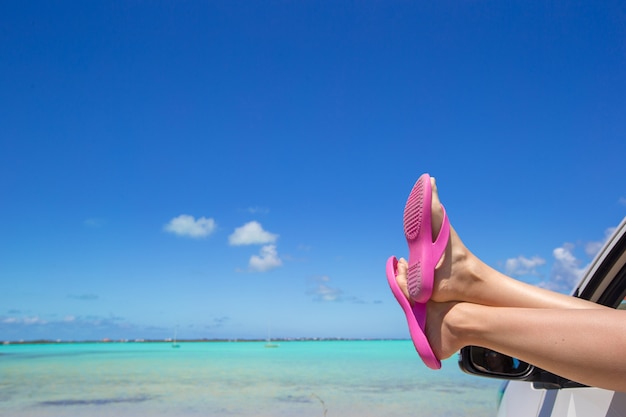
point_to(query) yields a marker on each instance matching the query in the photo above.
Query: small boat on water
(269, 344)
(268, 341)
(174, 344)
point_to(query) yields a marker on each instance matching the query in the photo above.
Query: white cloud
(566, 270)
(325, 293)
(251, 233)
(266, 260)
(592, 248)
(622, 201)
(322, 291)
(24, 320)
(186, 225)
(523, 266)
(257, 210)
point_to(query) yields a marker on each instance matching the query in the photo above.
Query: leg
(583, 345)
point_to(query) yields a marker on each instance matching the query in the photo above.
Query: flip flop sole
(415, 317)
(418, 233)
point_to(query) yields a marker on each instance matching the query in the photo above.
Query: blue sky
(226, 168)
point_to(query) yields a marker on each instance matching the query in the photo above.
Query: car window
(605, 282)
(615, 293)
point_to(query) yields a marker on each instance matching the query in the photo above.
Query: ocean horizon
(226, 378)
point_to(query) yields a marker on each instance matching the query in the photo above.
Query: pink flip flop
(424, 254)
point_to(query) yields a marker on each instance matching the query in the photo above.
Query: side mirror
(487, 362)
(481, 361)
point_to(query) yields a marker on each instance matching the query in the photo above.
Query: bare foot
(454, 279)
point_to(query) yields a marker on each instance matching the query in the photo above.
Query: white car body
(520, 399)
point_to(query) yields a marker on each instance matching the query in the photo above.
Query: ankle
(476, 272)
(461, 325)
(459, 276)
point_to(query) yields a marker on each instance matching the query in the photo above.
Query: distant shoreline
(278, 340)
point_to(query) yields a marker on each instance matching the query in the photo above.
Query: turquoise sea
(299, 378)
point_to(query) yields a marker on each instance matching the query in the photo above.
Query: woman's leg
(586, 346)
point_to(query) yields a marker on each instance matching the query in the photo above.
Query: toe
(401, 277)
